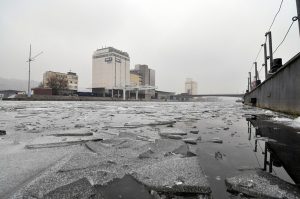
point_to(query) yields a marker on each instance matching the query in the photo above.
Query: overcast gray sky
(212, 41)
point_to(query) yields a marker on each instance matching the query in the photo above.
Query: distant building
(147, 74)
(11, 93)
(191, 87)
(110, 70)
(70, 77)
(72, 81)
(48, 74)
(151, 77)
(135, 79)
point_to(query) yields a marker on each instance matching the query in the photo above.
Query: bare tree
(41, 85)
(57, 82)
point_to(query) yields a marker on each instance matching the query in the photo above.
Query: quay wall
(281, 91)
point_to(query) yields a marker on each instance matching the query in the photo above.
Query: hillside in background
(16, 84)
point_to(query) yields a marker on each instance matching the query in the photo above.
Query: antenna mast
(30, 59)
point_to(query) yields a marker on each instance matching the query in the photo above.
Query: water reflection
(279, 146)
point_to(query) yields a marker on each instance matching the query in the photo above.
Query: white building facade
(191, 87)
(110, 70)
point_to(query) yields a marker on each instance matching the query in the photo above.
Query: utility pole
(298, 13)
(256, 73)
(248, 85)
(124, 94)
(250, 81)
(30, 59)
(266, 60)
(115, 71)
(269, 34)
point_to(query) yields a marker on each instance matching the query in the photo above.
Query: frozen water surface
(227, 139)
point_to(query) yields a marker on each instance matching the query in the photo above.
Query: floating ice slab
(176, 175)
(261, 184)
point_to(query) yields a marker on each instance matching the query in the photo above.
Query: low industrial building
(11, 93)
(163, 95)
(42, 91)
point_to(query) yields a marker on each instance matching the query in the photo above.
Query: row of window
(111, 54)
